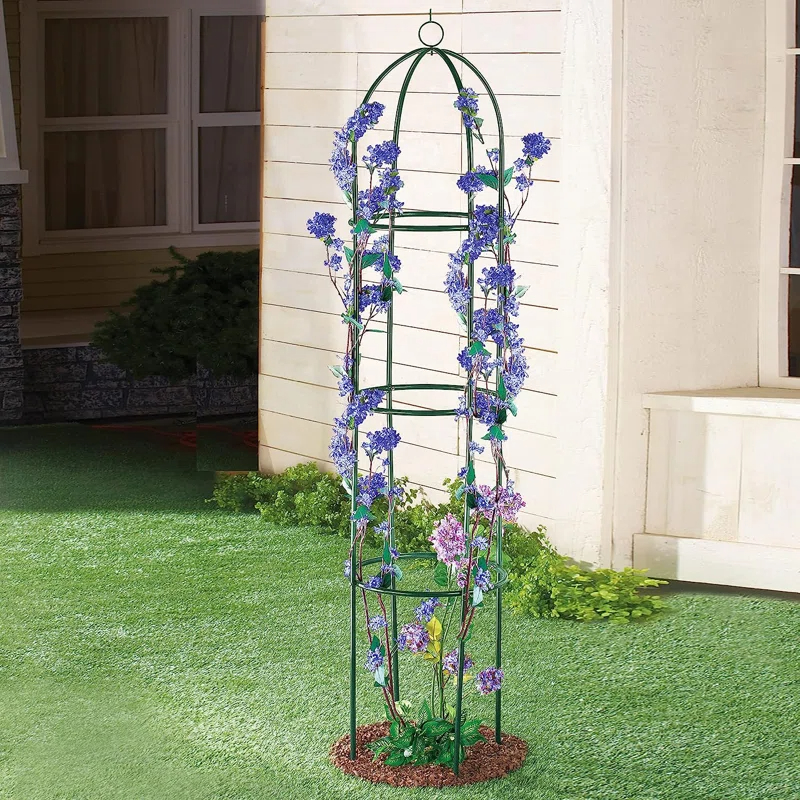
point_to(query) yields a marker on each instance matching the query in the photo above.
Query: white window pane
(105, 67)
(230, 59)
(229, 174)
(105, 179)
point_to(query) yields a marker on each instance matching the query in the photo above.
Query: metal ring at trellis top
(469, 553)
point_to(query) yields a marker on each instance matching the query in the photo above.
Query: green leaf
(495, 434)
(437, 727)
(479, 121)
(481, 562)
(336, 370)
(363, 227)
(394, 728)
(349, 253)
(512, 407)
(425, 713)
(502, 392)
(387, 556)
(440, 574)
(470, 473)
(388, 712)
(368, 259)
(398, 287)
(507, 176)
(352, 321)
(521, 291)
(478, 349)
(502, 416)
(362, 512)
(396, 759)
(375, 643)
(487, 180)
(386, 294)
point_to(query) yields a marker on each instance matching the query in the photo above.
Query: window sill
(9, 177)
(143, 241)
(752, 401)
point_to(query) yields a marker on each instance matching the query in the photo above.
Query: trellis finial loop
(431, 21)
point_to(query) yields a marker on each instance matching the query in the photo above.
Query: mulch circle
(485, 761)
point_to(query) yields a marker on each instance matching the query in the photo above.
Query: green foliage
(542, 582)
(428, 740)
(201, 310)
(301, 495)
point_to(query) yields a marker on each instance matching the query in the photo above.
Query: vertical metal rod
(355, 274)
(459, 697)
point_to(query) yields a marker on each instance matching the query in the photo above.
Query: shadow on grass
(74, 467)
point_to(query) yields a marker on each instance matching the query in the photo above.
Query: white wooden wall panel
(321, 57)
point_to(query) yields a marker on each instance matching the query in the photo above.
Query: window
(141, 122)
(9, 160)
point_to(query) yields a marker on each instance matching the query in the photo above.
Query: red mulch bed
(485, 761)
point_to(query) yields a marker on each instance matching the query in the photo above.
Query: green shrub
(542, 582)
(201, 310)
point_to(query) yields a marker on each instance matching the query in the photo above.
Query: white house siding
(321, 57)
(692, 151)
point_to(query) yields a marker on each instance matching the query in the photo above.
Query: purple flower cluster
(371, 487)
(347, 568)
(480, 543)
(377, 623)
(450, 662)
(380, 155)
(496, 276)
(374, 660)
(470, 183)
(342, 166)
(535, 146)
(504, 499)
(413, 637)
(356, 411)
(448, 540)
(467, 104)
(322, 226)
(489, 680)
(424, 611)
(381, 441)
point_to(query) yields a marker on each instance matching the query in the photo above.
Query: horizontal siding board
(351, 7)
(427, 190)
(311, 71)
(530, 32)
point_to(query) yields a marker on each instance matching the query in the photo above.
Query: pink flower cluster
(413, 637)
(508, 502)
(448, 540)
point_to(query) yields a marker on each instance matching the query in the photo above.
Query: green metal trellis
(416, 221)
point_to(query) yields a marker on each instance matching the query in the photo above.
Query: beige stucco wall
(692, 129)
(321, 57)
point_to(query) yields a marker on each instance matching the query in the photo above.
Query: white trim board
(752, 566)
(755, 401)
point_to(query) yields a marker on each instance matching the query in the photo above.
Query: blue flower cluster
(380, 155)
(424, 611)
(381, 441)
(344, 170)
(356, 411)
(535, 146)
(467, 104)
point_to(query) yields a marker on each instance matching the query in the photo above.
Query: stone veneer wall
(73, 383)
(11, 371)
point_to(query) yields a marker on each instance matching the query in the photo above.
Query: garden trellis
(466, 564)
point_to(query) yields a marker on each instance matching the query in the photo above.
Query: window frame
(182, 228)
(10, 172)
(782, 57)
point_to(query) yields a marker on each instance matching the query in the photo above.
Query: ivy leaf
(495, 434)
(368, 259)
(440, 574)
(507, 176)
(362, 226)
(478, 349)
(487, 180)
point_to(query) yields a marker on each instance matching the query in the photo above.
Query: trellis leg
(459, 697)
(352, 668)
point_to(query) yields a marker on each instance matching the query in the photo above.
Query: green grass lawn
(152, 647)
